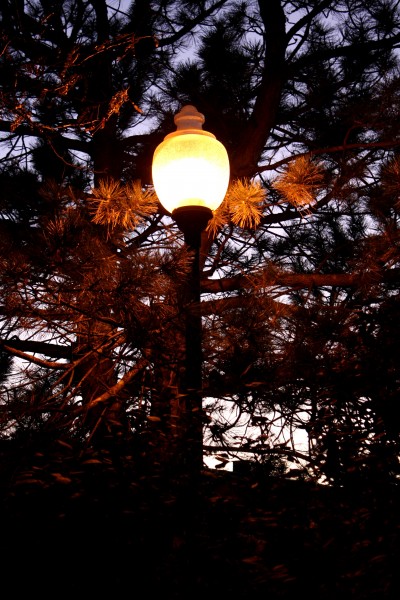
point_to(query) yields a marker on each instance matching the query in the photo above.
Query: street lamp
(190, 172)
(190, 176)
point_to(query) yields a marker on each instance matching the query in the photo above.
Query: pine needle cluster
(242, 206)
(121, 206)
(300, 182)
(391, 177)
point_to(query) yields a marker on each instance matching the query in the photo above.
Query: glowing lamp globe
(190, 169)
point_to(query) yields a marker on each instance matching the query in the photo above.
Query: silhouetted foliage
(299, 284)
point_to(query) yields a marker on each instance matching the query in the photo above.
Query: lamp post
(190, 176)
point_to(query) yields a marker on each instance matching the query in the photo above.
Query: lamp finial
(189, 118)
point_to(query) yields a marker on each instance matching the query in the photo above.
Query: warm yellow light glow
(190, 167)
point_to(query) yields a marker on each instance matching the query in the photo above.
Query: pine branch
(243, 206)
(118, 206)
(300, 182)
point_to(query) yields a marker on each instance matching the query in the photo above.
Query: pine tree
(299, 264)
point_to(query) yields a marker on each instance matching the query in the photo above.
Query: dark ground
(88, 527)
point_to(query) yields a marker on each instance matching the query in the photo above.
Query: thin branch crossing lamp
(191, 176)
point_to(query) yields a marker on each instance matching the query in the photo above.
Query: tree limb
(297, 280)
(33, 359)
(115, 389)
(15, 345)
(251, 139)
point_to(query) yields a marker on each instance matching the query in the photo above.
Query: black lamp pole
(192, 221)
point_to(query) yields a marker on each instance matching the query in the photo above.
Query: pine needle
(243, 206)
(245, 203)
(144, 200)
(300, 182)
(391, 177)
(219, 219)
(118, 206)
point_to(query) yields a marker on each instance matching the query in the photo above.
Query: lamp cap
(189, 118)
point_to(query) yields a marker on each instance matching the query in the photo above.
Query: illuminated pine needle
(242, 206)
(300, 182)
(118, 206)
(144, 201)
(219, 219)
(245, 203)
